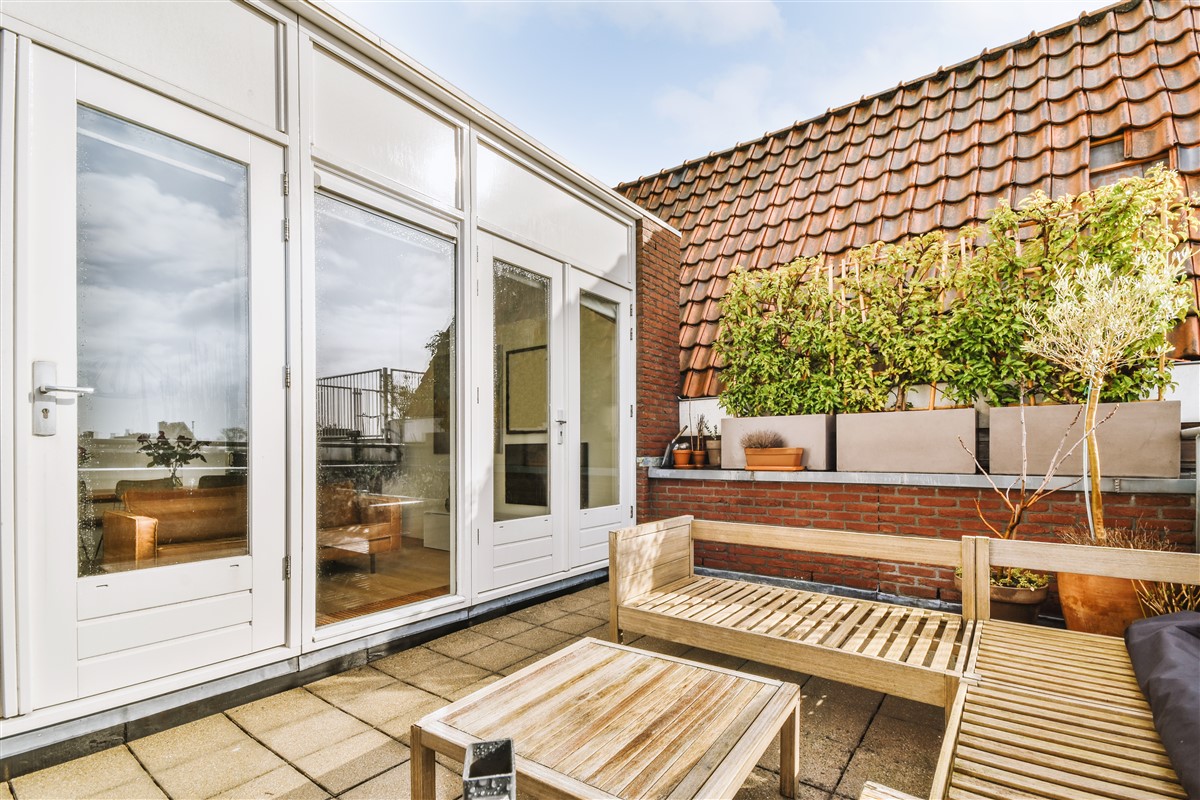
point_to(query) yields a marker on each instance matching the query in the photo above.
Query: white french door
(150, 349)
(600, 409)
(527, 496)
(560, 417)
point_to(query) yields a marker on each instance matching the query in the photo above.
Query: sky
(626, 89)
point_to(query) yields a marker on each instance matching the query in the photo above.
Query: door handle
(561, 419)
(51, 388)
(45, 407)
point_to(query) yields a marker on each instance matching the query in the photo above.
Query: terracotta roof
(937, 152)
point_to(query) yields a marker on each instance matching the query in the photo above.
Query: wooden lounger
(1054, 714)
(909, 652)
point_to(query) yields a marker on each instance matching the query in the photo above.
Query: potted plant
(889, 340)
(1006, 286)
(1101, 320)
(171, 453)
(1017, 594)
(700, 443)
(713, 447)
(765, 451)
(776, 345)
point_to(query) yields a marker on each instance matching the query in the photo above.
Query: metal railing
(359, 406)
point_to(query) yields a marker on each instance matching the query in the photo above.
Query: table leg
(789, 752)
(423, 785)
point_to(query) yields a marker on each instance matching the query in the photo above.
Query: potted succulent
(765, 451)
(1103, 319)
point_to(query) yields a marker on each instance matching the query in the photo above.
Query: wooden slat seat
(1068, 664)
(910, 652)
(1012, 742)
(914, 636)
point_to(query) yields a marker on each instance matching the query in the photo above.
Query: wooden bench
(1049, 713)
(910, 652)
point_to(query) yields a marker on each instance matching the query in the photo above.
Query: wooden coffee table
(599, 719)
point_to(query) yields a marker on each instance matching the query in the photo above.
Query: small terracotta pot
(1097, 603)
(699, 458)
(683, 458)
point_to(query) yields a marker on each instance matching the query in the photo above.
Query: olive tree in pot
(1100, 320)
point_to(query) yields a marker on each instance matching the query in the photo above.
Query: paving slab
(502, 627)
(345, 686)
(215, 771)
(396, 783)
(278, 709)
(284, 783)
(539, 614)
(540, 639)
(312, 733)
(399, 727)
(599, 610)
(498, 655)
(460, 643)
(764, 785)
(388, 702)
(898, 753)
(511, 668)
(175, 746)
(352, 761)
(574, 624)
(448, 678)
(110, 773)
(839, 711)
(409, 662)
(459, 694)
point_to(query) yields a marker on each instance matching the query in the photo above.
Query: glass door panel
(384, 412)
(522, 392)
(599, 395)
(162, 265)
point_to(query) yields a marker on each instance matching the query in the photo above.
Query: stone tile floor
(346, 736)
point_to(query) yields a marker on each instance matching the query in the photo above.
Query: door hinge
(287, 377)
(286, 185)
(287, 568)
(631, 512)
(477, 536)
(287, 229)
(631, 411)
(476, 252)
(631, 334)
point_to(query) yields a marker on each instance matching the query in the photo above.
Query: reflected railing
(365, 405)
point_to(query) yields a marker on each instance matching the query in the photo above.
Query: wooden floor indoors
(347, 588)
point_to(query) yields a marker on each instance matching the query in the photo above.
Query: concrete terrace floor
(346, 735)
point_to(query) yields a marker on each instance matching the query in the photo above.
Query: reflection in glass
(385, 355)
(597, 402)
(522, 399)
(162, 268)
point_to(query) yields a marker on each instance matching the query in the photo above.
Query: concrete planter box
(1141, 440)
(813, 432)
(907, 441)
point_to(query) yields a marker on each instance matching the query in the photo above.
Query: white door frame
(588, 528)
(55, 599)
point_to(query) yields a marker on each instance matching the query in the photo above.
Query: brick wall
(910, 510)
(658, 257)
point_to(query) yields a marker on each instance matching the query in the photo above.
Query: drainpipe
(1194, 433)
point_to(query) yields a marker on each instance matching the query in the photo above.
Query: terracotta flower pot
(699, 458)
(777, 459)
(1097, 603)
(682, 458)
(1014, 604)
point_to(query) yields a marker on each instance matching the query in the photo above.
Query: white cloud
(740, 104)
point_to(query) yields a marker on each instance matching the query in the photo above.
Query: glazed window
(1110, 161)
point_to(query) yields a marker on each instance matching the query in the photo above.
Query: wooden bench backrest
(651, 555)
(647, 556)
(1115, 562)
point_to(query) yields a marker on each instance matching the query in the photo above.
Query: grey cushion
(1165, 652)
